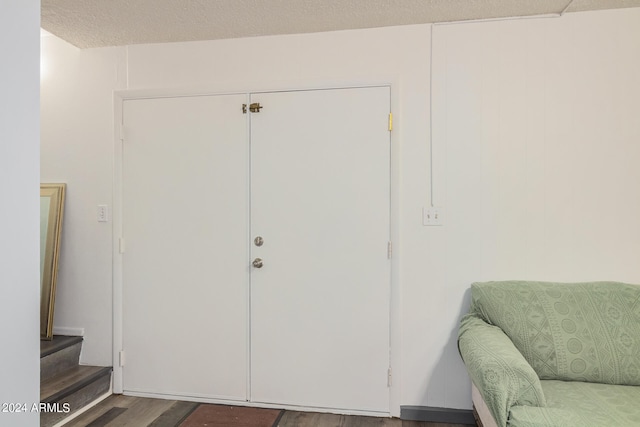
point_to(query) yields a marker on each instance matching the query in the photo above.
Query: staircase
(66, 386)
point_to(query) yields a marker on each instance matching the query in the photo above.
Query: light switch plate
(103, 213)
(432, 216)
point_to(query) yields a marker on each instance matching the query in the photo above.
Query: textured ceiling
(97, 23)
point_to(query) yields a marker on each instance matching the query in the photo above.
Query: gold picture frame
(51, 212)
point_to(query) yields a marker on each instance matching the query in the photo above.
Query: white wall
(533, 172)
(392, 55)
(535, 138)
(77, 148)
(19, 209)
(76, 126)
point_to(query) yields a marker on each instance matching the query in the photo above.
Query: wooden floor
(119, 410)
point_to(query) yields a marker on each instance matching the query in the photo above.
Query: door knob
(257, 263)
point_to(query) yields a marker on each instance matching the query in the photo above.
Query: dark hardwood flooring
(119, 411)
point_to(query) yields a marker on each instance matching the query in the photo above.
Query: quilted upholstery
(498, 369)
(575, 332)
(581, 404)
(555, 354)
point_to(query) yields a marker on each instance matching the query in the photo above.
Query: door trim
(395, 314)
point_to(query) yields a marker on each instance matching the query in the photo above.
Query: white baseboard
(72, 332)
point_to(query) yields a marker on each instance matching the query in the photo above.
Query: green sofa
(553, 354)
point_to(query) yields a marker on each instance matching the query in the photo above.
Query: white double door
(256, 264)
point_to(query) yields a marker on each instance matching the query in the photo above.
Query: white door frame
(395, 318)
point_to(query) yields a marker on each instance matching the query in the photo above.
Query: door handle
(257, 263)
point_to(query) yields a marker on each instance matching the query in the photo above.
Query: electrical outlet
(432, 216)
(103, 213)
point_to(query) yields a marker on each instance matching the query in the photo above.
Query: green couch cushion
(530, 416)
(576, 332)
(581, 404)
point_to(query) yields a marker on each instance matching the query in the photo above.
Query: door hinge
(254, 108)
(389, 249)
(121, 358)
(390, 122)
(121, 245)
(389, 378)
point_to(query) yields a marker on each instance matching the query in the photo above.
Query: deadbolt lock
(258, 241)
(254, 108)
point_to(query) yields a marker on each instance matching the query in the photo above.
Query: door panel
(320, 195)
(185, 219)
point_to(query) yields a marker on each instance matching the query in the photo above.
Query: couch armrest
(499, 371)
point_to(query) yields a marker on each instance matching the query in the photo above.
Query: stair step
(77, 387)
(58, 355)
(58, 342)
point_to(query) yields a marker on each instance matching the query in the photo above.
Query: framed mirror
(51, 211)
